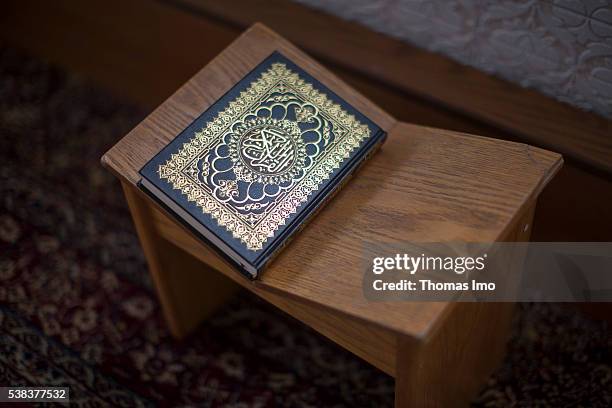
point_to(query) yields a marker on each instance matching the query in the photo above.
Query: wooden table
(425, 185)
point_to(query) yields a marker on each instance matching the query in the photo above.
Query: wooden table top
(424, 185)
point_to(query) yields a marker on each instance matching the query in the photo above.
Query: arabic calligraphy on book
(258, 160)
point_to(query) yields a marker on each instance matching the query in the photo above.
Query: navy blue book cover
(263, 154)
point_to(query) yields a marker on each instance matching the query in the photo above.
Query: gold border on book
(255, 237)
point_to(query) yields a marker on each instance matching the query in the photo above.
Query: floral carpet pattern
(77, 307)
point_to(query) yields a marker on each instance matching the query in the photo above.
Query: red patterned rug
(77, 308)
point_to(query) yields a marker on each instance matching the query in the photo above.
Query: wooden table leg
(189, 290)
(448, 368)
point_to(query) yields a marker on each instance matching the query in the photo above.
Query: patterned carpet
(77, 308)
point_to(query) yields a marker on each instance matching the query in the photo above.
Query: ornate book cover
(253, 167)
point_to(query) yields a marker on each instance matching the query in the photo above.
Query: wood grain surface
(425, 184)
(320, 298)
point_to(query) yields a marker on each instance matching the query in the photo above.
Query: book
(251, 170)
